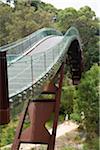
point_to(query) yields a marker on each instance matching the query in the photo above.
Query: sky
(61, 4)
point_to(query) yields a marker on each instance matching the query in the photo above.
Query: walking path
(62, 129)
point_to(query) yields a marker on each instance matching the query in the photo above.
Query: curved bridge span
(35, 65)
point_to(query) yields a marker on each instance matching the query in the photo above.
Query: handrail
(45, 31)
(72, 31)
(19, 47)
(29, 74)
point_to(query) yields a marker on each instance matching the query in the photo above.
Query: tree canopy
(88, 100)
(28, 16)
(21, 21)
(86, 22)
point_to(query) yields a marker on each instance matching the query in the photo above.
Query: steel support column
(4, 100)
(39, 112)
(51, 144)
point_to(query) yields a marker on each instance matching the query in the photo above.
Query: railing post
(45, 62)
(53, 55)
(4, 98)
(32, 69)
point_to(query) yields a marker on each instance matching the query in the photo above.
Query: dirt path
(66, 127)
(62, 129)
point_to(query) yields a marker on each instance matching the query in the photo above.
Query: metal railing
(30, 69)
(28, 75)
(19, 47)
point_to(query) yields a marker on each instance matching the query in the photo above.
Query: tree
(87, 12)
(5, 16)
(86, 22)
(68, 95)
(39, 18)
(66, 18)
(88, 100)
(48, 8)
(34, 3)
(22, 23)
(23, 20)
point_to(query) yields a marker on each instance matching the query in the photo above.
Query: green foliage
(21, 21)
(48, 8)
(35, 4)
(22, 24)
(68, 95)
(88, 27)
(4, 18)
(87, 24)
(87, 12)
(88, 100)
(75, 117)
(7, 133)
(93, 144)
(7, 148)
(68, 148)
(66, 18)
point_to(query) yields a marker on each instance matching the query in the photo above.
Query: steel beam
(4, 99)
(39, 112)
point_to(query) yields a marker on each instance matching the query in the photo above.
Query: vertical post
(56, 111)
(53, 55)
(45, 66)
(4, 100)
(22, 48)
(32, 69)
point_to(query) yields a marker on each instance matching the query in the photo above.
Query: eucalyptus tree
(88, 100)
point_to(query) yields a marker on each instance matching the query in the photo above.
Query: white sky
(61, 4)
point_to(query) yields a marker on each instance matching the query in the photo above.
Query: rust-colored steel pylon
(4, 99)
(39, 112)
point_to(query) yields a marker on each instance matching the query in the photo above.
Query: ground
(62, 139)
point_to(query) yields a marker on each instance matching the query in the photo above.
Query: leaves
(86, 22)
(21, 21)
(67, 100)
(88, 100)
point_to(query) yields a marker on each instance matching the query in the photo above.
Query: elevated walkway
(37, 58)
(32, 58)
(38, 69)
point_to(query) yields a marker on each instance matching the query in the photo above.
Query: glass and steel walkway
(27, 67)
(37, 57)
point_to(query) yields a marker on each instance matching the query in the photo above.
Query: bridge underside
(75, 61)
